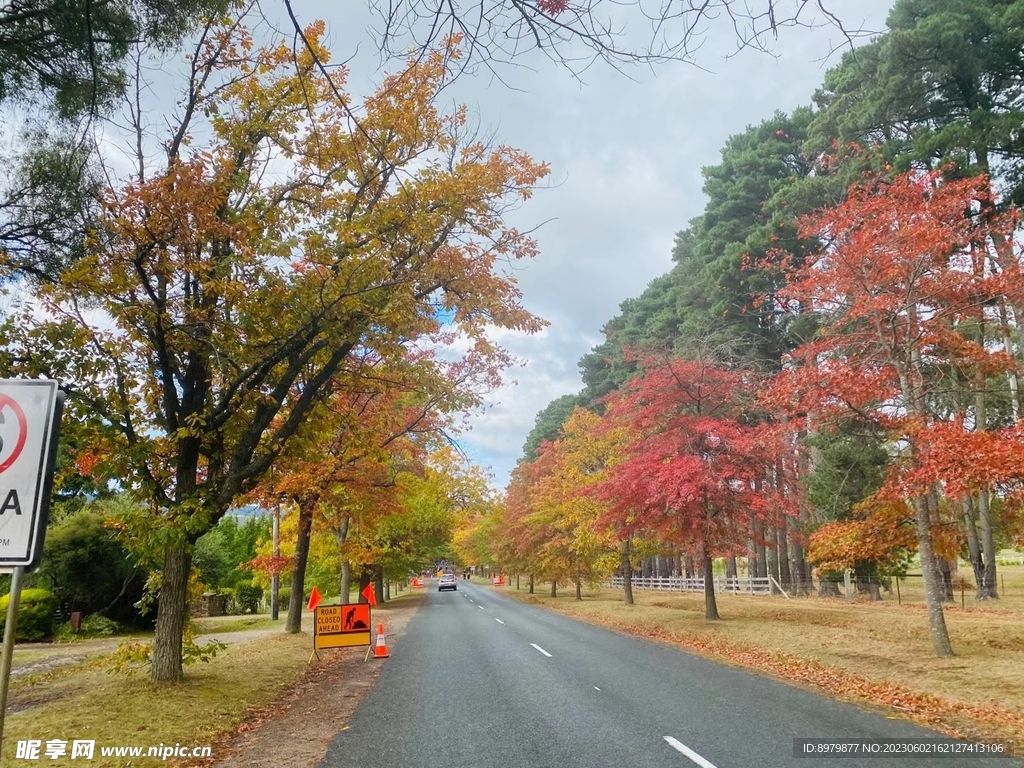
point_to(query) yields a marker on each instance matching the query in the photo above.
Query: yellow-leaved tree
(574, 543)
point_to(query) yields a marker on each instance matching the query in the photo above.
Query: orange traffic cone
(380, 651)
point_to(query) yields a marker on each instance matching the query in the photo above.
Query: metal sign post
(29, 424)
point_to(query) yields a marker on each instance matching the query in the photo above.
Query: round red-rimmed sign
(6, 401)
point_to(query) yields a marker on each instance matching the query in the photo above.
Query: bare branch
(577, 33)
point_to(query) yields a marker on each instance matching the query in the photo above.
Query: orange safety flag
(314, 599)
(370, 595)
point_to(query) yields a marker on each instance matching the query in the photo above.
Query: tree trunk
(340, 535)
(988, 546)
(945, 570)
(987, 539)
(365, 578)
(689, 567)
(172, 612)
(554, 588)
(710, 605)
(973, 546)
(378, 583)
(827, 588)
(1004, 323)
(753, 567)
(785, 575)
(627, 572)
(801, 572)
(932, 585)
(867, 581)
(579, 588)
(945, 579)
(730, 567)
(772, 553)
(346, 582)
(914, 401)
(296, 599)
(805, 462)
(761, 561)
(531, 584)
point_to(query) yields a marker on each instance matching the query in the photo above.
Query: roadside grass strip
(91, 703)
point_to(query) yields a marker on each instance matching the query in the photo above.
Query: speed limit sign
(29, 423)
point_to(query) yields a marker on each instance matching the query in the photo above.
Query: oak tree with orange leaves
(383, 414)
(228, 282)
(896, 286)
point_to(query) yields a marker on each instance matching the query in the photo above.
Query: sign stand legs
(10, 629)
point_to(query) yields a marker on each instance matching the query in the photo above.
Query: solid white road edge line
(549, 656)
(499, 621)
(689, 753)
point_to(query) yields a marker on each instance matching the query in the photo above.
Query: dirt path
(297, 728)
(38, 658)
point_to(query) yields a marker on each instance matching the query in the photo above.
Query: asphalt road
(482, 681)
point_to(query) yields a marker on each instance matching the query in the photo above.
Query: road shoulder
(298, 726)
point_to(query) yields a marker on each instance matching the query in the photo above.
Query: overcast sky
(626, 155)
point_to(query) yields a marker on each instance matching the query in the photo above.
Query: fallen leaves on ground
(949, 716)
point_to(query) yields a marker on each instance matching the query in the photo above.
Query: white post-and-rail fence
(741, 585)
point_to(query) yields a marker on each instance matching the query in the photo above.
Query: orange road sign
(341, 626)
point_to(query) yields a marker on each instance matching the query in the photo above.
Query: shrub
(284, 595)
(63, 634)
(91, 626)
(98, 626)
(36, 615)
(89, 571)
(247, 597)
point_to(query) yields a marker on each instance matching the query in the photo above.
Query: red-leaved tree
(901, 280)
(693, 474)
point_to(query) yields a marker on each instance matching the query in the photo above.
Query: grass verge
(90, 703)
(240, 686)
(871, 654)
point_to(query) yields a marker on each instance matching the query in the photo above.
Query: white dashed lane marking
(689, 753)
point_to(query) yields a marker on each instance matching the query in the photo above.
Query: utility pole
(275, 578)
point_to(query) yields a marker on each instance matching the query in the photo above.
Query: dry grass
(90, 703)
(873, 653)
(86, 701)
